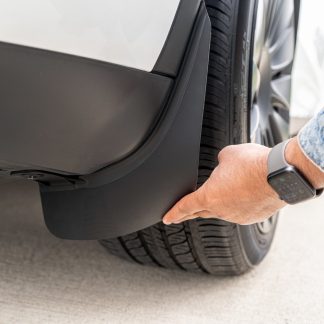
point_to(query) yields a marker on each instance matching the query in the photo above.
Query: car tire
(210, 245)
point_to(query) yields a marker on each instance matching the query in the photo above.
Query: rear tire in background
(247, 99)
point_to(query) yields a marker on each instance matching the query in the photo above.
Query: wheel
(248, 95)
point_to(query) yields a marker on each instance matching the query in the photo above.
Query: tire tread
(203, 245)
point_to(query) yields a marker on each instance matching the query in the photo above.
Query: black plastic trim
(136, 192)
(66, 114)
(174, 48)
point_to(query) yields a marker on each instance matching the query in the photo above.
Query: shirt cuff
(311, 140)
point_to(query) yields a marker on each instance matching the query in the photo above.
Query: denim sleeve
(311, 140)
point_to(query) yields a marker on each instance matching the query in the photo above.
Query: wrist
(262, 170)
(296, 157)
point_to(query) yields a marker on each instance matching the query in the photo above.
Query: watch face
(291, 186)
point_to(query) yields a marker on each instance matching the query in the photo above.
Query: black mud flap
(136, 192)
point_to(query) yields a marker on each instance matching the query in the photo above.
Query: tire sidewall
(254, 244)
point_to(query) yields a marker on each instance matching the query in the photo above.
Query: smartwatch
(286, 180)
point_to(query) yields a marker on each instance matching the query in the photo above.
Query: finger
(187, 206)
(205, 214)
(187, 218)
(201, 214)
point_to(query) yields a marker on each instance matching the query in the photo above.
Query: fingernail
(166, 222)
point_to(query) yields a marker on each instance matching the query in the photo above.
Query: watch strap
(276, 159)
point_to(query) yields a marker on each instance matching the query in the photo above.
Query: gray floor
(47, 280)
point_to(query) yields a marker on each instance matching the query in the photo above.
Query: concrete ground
(47, 280)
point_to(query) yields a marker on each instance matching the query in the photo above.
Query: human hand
(237, 191)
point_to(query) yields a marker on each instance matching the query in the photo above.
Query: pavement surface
(47, 280)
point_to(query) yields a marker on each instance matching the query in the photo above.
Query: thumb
(186, 207)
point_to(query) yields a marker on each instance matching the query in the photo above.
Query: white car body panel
(130, 33)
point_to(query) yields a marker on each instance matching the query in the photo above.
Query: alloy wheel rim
(270, 77)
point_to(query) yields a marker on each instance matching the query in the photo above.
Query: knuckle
(226, 151)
